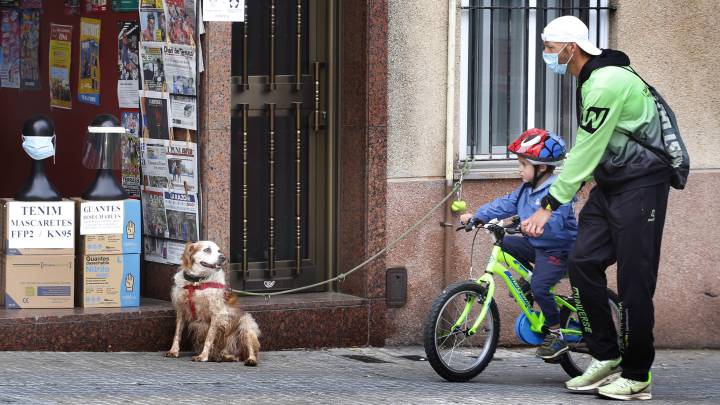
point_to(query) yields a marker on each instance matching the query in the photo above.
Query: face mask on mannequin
(551, 60)
(39, 147)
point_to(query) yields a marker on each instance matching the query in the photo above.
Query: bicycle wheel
(578, 358)
(451, 351)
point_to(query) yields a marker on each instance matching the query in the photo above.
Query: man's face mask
(39, 147)
(551, 60)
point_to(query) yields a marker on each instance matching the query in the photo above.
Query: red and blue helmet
(540, 147)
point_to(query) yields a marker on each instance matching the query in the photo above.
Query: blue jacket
(559, 232)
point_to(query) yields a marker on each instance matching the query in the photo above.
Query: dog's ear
(190, 249)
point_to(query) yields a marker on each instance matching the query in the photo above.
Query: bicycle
(465, 320)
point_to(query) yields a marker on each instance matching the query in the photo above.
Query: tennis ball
(458, 206)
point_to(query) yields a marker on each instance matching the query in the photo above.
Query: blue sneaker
(552, 347)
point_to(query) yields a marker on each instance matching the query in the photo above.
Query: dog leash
(341, 277)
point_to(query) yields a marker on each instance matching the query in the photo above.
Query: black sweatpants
(626, 227)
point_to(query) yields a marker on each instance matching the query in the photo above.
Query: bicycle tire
(566, 361)
(432, 353)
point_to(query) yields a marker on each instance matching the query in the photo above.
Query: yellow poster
(60, 58)
(89, 83)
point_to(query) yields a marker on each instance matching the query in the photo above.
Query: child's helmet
(540, 147)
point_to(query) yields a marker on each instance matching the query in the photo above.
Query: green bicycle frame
(497, 263)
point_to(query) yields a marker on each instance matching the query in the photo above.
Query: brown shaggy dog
(219, 329)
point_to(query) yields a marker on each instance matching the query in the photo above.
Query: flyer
(30, 38)
(125, 5)
(180, 17)
(179, 61)
(10, 65)
(153, 160)
(152, 24)
(89, 83)
(183, 112)
(128, 64)
(131, 153)
(60, 37)
(182, 166)
(154, 107)
(153, 211)
(96, 6)
(153, 67)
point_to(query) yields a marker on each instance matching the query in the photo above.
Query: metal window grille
(506, 87)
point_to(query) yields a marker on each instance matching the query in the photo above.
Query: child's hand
(465, 218)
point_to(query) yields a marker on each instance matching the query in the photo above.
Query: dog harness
(191, 288)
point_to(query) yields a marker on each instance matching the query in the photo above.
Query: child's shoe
(552, 347)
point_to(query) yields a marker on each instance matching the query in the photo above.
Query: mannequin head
(38, 134)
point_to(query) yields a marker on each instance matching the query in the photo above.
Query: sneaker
(552, 347)
(626, 389)
(597, 374)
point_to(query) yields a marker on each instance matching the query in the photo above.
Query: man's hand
(534, 226)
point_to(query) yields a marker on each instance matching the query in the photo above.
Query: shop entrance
(282, 144)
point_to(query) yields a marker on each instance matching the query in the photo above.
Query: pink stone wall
(688, 289)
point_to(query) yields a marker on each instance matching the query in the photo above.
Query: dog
(219, 329)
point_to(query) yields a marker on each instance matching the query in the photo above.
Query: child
(538, 151)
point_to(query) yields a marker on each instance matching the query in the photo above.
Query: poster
(60, 57)
(183, 112)
(154, 107)
(153, 67)
(128, 64)
(96, 6)
(152, 24)
(179, 61)
(89, 83)
(124, 5)
(181, 211)
(153, 211)
(30, 39)
(10, 58)
(223, 10)
(180, 18)
(131, 153)
(181, 166)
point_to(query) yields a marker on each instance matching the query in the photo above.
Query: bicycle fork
(487, 281)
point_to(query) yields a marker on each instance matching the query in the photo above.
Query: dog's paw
(172, 354)
(200, 358)
(251, 362)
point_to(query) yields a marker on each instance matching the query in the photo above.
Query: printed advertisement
(153, 67)
(102, 218)
(44, 225)
(96, 6)
(30, 38)
(180, 69)
(10, 57)
(128, 64)
(154, 107)
(182, 112)
(181, 210)
(154, 163)
(223, 10)
(124, 5)
(181, 165)
(163, 250)
(131, 154)
(153, 210)
(60, 37)
(180, 21)
(89, 83)
(152, 24)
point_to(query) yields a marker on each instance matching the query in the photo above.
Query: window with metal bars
(505, 86)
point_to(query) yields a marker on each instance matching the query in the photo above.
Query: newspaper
(180, 17)
(154, 163)
(182, 216)
(153, 70)
(153, 211)
(163, 250)
(181, 166)
(183, 112)
(156, 120)
(128, 64)
(180, 69)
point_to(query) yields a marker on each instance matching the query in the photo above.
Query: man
(624, 216)
(148, 33)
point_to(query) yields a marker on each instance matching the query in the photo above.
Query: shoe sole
(641, 396)
(591, 388)
(556, 355)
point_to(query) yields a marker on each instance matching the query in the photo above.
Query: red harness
(191, 288)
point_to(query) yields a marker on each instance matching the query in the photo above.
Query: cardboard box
(34, 281)
(109, 227)
(109, 281)
(37, 227)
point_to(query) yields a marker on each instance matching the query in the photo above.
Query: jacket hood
(608, 57)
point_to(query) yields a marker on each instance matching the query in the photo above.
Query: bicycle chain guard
(524, 333)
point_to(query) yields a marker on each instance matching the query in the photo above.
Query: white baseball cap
(569, 28)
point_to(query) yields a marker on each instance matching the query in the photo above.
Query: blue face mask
(551, 60)
(39, 147)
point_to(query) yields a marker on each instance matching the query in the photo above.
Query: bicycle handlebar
(497, 230)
